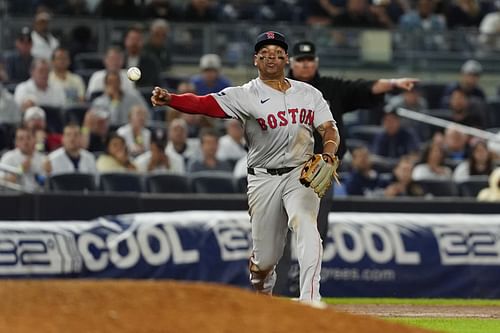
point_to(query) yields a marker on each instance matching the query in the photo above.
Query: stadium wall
(75, 206)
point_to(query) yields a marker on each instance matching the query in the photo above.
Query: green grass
(461, 325)
(448, 325)
(415, 301)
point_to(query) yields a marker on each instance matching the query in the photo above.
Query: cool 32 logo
(468, 245)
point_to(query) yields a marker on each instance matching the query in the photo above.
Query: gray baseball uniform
(279, 132)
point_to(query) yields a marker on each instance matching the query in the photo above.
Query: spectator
(117, 101)
(70, 157)
(95, 130)
(115, 158)
(363, 179)
(480, 162)
(113, 62)
(34, 120)
(426, 24)
(280, 10)
(423, 18)
(156, 160)
(402, 184)
(431, 166)
(395, 141)
(489, 29)
(134, 56)
(73, 84)
(322, 12)
(393, 8)
(232, 145)
(414, 101)
(408, 99)
(469, 83)
(466, 110)
(178, 144)
(18, 62)
(200, 11)
(136, 135)
(208, 161)
(158, 43)
(491, 193)
(465, 13)
(25, 158)
(9, 110)
(359, 14)
(210, 80)
(44, 43)
(38, 90)
(455, 144)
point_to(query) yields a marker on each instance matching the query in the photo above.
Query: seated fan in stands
(70, 158)
(115, 158)
(157, 160)
(479, 163)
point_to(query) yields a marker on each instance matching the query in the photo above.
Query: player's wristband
(394, 83)
(330, 141)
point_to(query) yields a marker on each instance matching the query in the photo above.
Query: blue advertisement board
(366, 255)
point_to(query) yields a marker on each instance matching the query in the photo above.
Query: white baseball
(134, 73)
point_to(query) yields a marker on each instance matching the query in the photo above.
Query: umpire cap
(304, 49)
(271, 38)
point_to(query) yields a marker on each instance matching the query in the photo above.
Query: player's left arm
(331, 139)
(320, 170)
(385, 85)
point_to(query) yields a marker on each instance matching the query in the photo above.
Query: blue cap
(270, 38)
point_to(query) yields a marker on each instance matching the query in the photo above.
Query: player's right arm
(188, 103)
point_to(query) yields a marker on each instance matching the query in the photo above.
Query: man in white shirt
(73, 84)
(38, 90)
(117, 101)
(70, 157)
(232, 145)
(44, 43)
(26, 159)
(156, 160)
(113, 62)
(136, 135)
(178, 144)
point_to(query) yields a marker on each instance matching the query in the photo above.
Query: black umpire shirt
(343, 96)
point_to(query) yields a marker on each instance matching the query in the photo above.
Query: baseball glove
(318, 174)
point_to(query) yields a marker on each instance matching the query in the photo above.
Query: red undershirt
(190, 103)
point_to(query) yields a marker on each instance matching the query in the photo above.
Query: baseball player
(279, 116)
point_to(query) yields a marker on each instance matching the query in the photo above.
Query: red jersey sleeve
(190, 103)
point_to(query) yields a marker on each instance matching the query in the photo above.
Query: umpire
(343, 96)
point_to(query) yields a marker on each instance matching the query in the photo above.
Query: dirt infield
(420, 311)
(150, 306)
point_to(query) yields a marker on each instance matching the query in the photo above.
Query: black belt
(273, 172)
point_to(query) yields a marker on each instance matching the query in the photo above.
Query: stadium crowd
(54, 121)
(425, 14)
